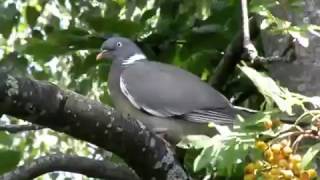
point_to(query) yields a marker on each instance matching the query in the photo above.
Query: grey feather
(206, 116)
(166, 91)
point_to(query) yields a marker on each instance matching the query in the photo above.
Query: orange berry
(249, 169)
(304, 175)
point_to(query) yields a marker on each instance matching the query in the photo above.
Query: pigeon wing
(165, 91)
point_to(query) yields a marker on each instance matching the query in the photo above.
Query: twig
(249, 48)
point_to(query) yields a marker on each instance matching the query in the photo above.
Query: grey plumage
(165, 98)
(166, 91)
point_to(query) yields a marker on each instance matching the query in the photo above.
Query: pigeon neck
(132, 59)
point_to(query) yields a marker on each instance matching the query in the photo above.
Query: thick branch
(12, 128)
(231, 57)
(47, 105)
(75, 164)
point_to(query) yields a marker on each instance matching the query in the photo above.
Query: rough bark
(232, 57)
(11, 128)
(65, 111)
(76, 164)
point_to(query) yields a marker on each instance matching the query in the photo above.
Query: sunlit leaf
(195, 141)
(271, 90)
(208, 155)
(42, 50)
(9, 160)
(32, 15)
(5, 139)
(232, 157)
(310, 155)
(302, 39)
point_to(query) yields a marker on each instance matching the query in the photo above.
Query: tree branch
(249, 49)
(65, 111)
(245, 22)
(12, 128)
(75, 164)
(232, 57)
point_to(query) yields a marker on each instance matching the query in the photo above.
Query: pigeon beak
(101, 55)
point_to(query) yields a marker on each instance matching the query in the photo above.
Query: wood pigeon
(165, 98)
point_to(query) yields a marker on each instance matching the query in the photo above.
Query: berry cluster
(280, 164)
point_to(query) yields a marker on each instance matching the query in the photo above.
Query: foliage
(57, 40)
(9, 157)
(226, 154)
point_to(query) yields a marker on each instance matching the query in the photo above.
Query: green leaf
(208, 155)
(84, 86)
(42, 50)
(232, 157)
(310, 155)
(255, 121)
(195, 141)
(32, 15)
(272, 91)
(9, 160)
(5, 139)
(6, 26)
(9, 17)
(113, 25)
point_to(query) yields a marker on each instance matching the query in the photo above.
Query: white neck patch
(134, 58)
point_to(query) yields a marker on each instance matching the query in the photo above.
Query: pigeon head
(120, 49)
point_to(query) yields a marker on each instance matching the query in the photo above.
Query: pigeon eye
(119, 44)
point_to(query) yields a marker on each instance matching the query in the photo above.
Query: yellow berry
(261, 145)
(268, 124)
(295, 167)
(304, 175)
(283, 163)
(287, 174)
(275, 172)
(287, 150)
(268, 176)
(295, 158)
(276, 122)
(249, 169)
(284, 142)
(258, 164)
(312, 173)
(276, 148)
(269, 155)
(249, 177)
